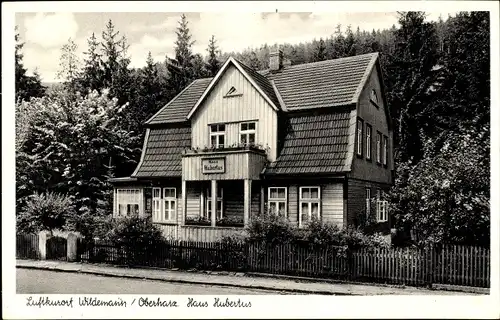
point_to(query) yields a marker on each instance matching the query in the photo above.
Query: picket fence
(448, 264)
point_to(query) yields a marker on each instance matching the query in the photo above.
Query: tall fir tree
(180, 68)
(350, 43)
(69, 65)
(110, 53)
(92, 74)
(411, 74)
(213, 64)
(339, 43)
(320, 51)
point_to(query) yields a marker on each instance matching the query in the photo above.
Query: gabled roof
(177, 109)
(258, 81)
(314, 144)
(329, 83)
(323, 84)
(162, 152)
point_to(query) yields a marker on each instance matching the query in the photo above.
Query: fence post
(42, 243)
(71, 247)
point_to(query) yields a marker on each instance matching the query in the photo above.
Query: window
(385, 153)
(360, 137)
(368, 192)
(217, 135)
(373, 96)
(128, 201)
(276, 201)
(220, 207)
(164, 204)
(157, 212)
(169, 203)
(309, 204)
(379, 137)
(247, 133)
(368, 141)
(382, 208)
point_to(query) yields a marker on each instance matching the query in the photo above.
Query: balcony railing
(234, 147)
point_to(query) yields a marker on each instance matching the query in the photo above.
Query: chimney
(275, 59)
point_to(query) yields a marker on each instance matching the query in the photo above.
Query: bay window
(247, 133)
(276, 200)
(128, 202)
(309, 204)
(217, 135)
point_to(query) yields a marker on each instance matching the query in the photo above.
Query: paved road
(51, 282)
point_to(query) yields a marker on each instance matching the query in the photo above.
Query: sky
(44, 33)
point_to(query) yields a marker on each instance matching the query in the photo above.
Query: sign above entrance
(213, 165)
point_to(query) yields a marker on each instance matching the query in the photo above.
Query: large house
(302, 140)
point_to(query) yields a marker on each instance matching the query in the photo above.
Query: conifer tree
(320, 51)
(92, 73)
(181, 67)
(213, 65)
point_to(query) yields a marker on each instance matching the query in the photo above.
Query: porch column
(214, 202)
(247, 200)
(184, 197)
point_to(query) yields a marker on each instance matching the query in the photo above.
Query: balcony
(240, 162)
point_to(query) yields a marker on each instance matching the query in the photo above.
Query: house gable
(248, 105)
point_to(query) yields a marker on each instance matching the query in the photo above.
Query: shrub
(199, 220)
(230, 221)
(90, 225)
(270, 228)
(319, 233)
(135, 230)
(46, 211)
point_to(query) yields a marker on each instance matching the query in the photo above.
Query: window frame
(309, 201)
(276, 201)
(208, 203)
(359, 138)
(248, 132)
(374, 97)
(368, 196)
(157, 211)
(217, 134)
(168, 218)
(385, 153)
(368, 133)
(382, 208)
(379, 147)
(119, 197)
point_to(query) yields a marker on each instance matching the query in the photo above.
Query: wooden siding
(198, 233)
(233, 198)
(332, 203)
(356, 202)
(363, 168)
(193, 201)
(239, 164)
(247, 107)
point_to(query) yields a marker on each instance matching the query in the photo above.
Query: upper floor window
(385, 153)
(247, 133)
(368, 141)
(128, 201)
(379, 138)
(359, 138)
(309, 204)
(217, 135)
(276, 200)
(373, 96)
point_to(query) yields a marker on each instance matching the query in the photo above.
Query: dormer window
(247, 133)
(217, 135)
(373, 97)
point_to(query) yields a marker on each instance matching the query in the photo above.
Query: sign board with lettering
(213, 165)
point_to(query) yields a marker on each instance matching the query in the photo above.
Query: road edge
(221, 284)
